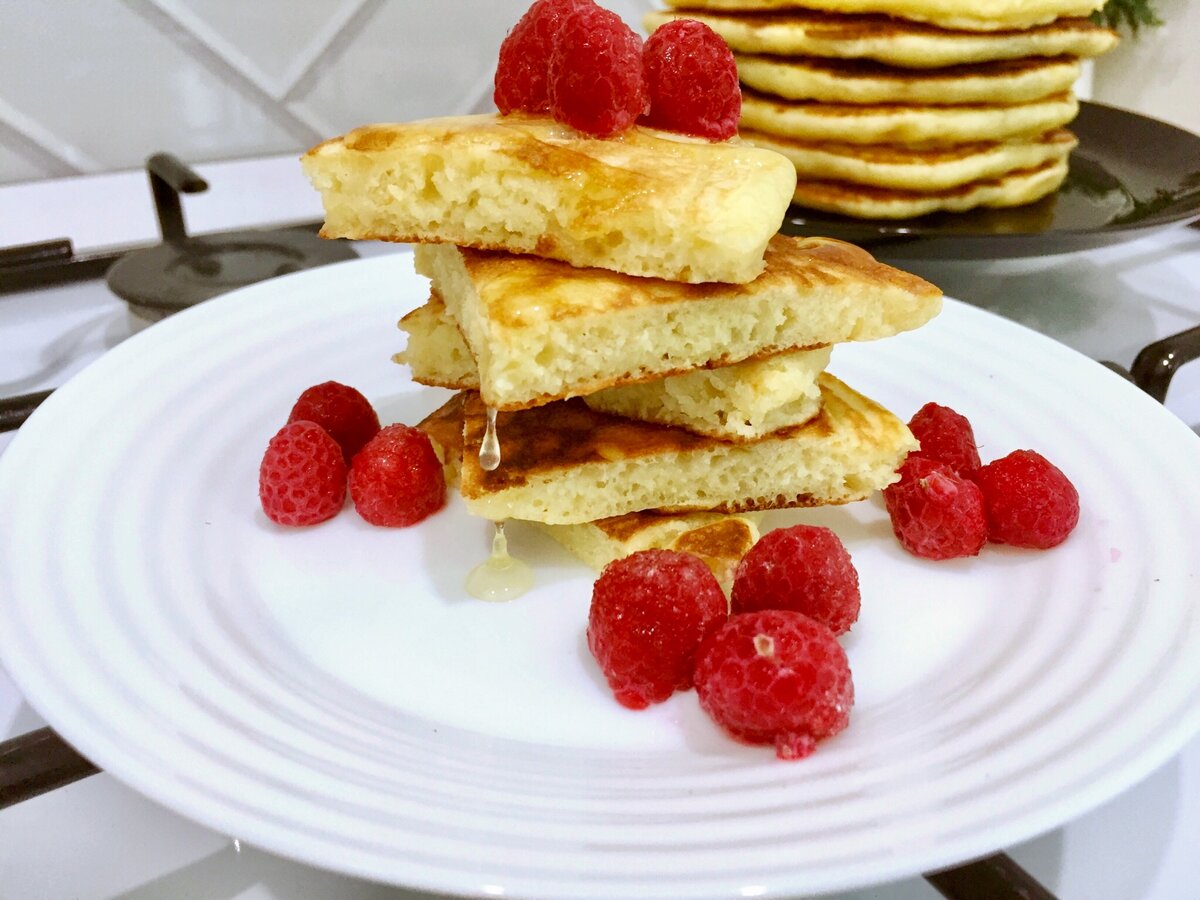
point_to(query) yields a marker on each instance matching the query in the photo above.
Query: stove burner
(184, 270)
(174, 276)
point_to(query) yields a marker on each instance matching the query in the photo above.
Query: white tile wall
(96, 85)
(1157, 74)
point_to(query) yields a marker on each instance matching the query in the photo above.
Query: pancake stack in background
(622, 316)
(891, 109)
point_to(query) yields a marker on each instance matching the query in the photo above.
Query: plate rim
(38, 689)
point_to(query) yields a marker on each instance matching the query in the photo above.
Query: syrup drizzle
(489, 449)
(500, 577)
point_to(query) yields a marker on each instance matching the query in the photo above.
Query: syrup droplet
(489, 449)
(499, 577)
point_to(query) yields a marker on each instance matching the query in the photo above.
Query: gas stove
(1135, 306)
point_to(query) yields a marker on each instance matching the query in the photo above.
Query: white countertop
(98, 839)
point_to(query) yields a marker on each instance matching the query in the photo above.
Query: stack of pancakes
(650, 351)
(896, 108)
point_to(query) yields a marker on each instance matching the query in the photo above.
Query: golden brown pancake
(719, 540)
(541, 330)
(436, 352)
(972, 15)
(744, 401)
(907, 124)
(920, 169)
(739, 402)
(1013, 189)
(869, 82)
(645, 202)
(564, 463)
(893, 41)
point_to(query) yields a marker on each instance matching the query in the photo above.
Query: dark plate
(1129, 175)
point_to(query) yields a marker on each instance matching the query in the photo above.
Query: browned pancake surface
(867, 68)
(518, 290)
(567, 433)
(838, 27)
(895, 153)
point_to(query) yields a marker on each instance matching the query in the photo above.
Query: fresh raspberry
(692, 81)
(302, 478)
(935, 513)
(342, 411)
(804, 568)
(595, 78)
(649, 613)
(775, 677)
(525, 56)
(396, 479)
(1029, 501)
(947, 437)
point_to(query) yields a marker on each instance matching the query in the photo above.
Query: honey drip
(500, 577)
(489, 449)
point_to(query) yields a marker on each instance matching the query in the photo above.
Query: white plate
(332, 695)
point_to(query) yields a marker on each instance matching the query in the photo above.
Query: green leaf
(1131, 14)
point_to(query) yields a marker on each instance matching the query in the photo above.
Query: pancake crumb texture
(739, 402)
(645, 203)
(540, 331)
(565, 463)
(436, 351)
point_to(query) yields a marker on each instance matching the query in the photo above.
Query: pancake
(908, 124)
(866, 81)
(720, 540)
(436, 352)
(565, 464)
(904, 168)
(1013, 189)
(541, 330)
(893, 41)
(981, 15)
(743, 401)
(644, 203)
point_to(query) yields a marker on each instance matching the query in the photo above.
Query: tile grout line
(351, 18)
(347, 33)
(26, 135)
(192, 24)
(156, 14)
(350, 29)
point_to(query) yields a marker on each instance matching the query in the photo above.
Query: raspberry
(692, 81)
(803, 568)
(396, 479)
(525, 56)
(595, 77)
(1029, 501)
(302, 478)
(649, 613)
(775, 677)
(947, 437)
(935, 513)
(342, 411)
